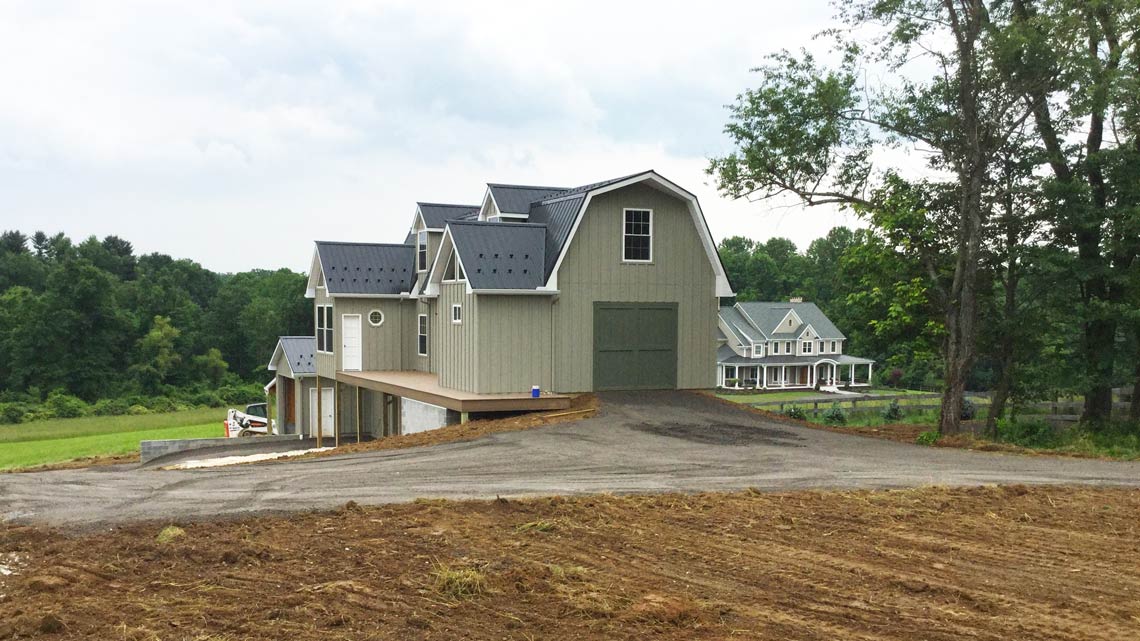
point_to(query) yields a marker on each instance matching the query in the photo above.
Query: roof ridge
(447, 205)
(487, 223)
(350, 242)
(514, 186)
(297, 337)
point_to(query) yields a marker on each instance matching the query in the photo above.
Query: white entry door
(328, 409)
(350, 346)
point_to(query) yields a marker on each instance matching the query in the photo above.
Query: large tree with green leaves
(814, 131)
(1076, 65)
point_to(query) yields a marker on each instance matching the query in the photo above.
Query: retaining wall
(150, 450)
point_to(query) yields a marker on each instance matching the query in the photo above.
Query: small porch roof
(425, 387)
(725, 356)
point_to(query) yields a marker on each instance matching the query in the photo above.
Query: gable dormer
(790, 323)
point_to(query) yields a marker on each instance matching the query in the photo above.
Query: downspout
(552, 348)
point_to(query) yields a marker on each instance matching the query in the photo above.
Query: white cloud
(196, 128)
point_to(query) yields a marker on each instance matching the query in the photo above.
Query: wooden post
(336, 414)
(320, 414)
(359, 412)
(464, 417)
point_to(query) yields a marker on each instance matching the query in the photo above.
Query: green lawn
(776, 397)
(57, 440)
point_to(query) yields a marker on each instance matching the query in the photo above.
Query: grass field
(58, 440)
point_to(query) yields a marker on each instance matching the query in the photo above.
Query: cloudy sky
(234, 133)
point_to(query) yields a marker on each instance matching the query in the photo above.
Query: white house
(790, 345)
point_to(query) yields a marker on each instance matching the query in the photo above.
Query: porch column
(851, 374)
(783, 376)
(869, 367)
(764, 379)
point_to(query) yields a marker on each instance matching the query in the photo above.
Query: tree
(812, 132)
(1076, 64)
(211, 367)
(155, 355)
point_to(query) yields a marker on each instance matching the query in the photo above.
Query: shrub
(13, 412)
(138, 410)
(206, 398)
(894, 377)
(65, 405)
(159, 404)
(929, 437)
(969, 410)
(835, 415)
(796, 412)
(730, 382)
(893, 412)
(241, 394)
(110, 407)
(1028, 433)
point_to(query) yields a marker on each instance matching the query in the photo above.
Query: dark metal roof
(516, 199)
(500, 255)
(558, 216)
(366, 268)
(436, 215)
(592, 186)
(299, 352)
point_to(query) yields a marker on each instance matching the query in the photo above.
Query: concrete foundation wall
(149, 450)
(421, 417)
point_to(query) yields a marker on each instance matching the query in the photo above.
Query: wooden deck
(425, 387)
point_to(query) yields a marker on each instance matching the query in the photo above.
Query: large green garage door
(635, 346)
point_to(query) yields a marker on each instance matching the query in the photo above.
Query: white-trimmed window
(787, 347)
(637, 236)
(821, 346)
(376, 318)
(834, 348)
(422, 251)
(325, 328)
(457, 314)
(422, 337)
(807, 345)
(775, 348)
(730, 374)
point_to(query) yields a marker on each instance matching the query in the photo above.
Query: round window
(376, 318)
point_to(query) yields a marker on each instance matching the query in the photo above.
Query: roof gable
(436, 215)
(365, 269)
(517, 199)
(772, 314)
(297, 352)
(560, 242)
(500, 255)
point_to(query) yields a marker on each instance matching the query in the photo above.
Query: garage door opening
(635, 346)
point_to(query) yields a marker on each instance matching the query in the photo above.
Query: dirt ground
(933, 563)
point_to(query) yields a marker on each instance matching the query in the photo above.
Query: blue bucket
(534, 391)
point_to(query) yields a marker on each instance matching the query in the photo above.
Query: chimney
(796, 299)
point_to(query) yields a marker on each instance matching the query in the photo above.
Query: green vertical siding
(327, 364)
(592, 271)
(514, 343)
(456, 343)
(381, 345)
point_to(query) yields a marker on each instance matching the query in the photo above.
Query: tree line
(1021, 234)
(94, 320)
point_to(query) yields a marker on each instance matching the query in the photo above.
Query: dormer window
(637, 236)
(422, 251)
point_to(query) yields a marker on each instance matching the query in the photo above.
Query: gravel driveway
(639, 442)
